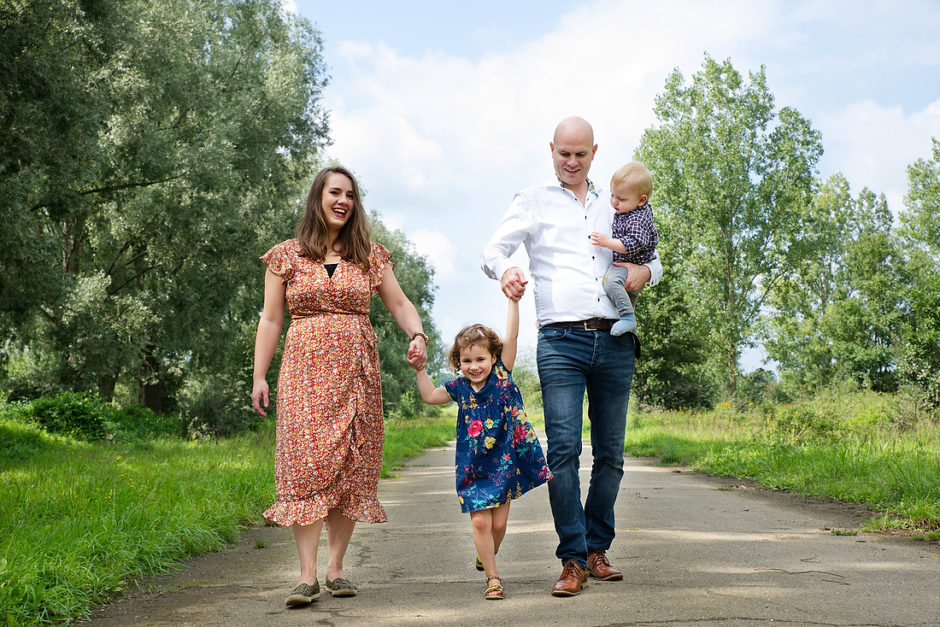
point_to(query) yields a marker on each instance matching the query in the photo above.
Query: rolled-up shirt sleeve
(512, 231)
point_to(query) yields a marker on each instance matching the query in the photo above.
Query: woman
(330, 427)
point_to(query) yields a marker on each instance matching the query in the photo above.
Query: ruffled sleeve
(453, 388)
(502, 373)
(379, 263)
(280, 259)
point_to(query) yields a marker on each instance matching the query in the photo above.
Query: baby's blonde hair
(636, 176)
(475, 334)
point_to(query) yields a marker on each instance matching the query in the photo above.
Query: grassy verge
(80, 520)
(853, 449)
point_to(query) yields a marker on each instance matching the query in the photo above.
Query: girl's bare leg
(500, 520)
(482, 523)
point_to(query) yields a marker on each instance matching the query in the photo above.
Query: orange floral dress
(330, 429)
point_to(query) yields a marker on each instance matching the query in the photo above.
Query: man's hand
(513, 283)
(637, 276)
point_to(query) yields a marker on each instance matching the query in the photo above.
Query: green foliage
(919, 360)
(78, 525)
(152, 150)
(416, 277)
(408, 437)
(215, 405)
(86, 416)
(839, 315)
(78, 415)
(526, 377)
(758, 387)
(732, 175)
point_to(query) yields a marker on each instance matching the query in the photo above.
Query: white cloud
(438, 249)
(872, 145)
(442, 142)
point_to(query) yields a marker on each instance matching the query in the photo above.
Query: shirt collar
(591, 189)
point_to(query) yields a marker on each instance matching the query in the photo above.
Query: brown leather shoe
(573, 579)
(600, 568)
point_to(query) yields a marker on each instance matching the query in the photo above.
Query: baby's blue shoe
(624, 325)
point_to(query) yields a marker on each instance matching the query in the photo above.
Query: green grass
(81, 521)
(407, 437)
(845, 451)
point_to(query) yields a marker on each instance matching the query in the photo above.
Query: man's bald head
(573, 150)
(574, 127)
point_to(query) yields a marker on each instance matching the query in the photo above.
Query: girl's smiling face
(476, 363)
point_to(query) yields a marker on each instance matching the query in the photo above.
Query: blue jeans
(570, 362)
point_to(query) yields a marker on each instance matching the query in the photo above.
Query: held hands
(513, 283)
(417, 355)
(258, 393)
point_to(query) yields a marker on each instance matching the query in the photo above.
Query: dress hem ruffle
(309, 511)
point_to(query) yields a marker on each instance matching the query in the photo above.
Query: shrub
(136, 422)
(76, 414)
(801, 424)
(216, 405)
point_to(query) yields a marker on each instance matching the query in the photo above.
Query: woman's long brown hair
(353, 238)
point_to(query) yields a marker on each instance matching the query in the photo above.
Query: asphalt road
(694, 550)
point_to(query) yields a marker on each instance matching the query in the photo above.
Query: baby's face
(624, 198)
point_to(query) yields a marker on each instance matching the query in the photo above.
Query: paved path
(695, 551)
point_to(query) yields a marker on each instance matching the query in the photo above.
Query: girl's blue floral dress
(498, 454)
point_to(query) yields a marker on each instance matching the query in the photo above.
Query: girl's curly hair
(475, 334)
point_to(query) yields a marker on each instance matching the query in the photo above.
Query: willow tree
(737, 174)
(151, 151)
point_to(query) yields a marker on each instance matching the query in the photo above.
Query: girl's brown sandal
(493, 593)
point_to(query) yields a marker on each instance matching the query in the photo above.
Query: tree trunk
(150, 389)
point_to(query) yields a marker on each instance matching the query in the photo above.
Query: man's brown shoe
(572, 579)
(600, 568)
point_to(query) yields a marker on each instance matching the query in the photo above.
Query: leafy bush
(76, 414)
(801, 424)
(216, 405)
(136, 422)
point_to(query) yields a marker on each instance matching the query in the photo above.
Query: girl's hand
(417, 355)
(258, 393)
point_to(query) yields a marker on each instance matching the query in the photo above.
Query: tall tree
(838, 315)
(156, 147)
(739, 175)
(794, 334)
(920, 232)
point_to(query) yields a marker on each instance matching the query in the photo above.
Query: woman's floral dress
(330, 428)
(498, 454)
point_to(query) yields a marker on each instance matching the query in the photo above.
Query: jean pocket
(553, 333)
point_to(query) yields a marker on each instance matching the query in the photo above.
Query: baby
(633, 240)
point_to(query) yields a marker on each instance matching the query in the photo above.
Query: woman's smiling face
(337, 201)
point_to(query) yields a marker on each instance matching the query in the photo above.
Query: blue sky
(445, 109)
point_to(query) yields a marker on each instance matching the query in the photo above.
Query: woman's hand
(417, 353)
(258, 393)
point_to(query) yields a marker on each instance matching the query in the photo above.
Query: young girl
(498, 454)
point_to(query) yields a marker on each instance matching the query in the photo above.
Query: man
(575, 349)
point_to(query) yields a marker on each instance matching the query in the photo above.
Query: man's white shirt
(566, 269)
